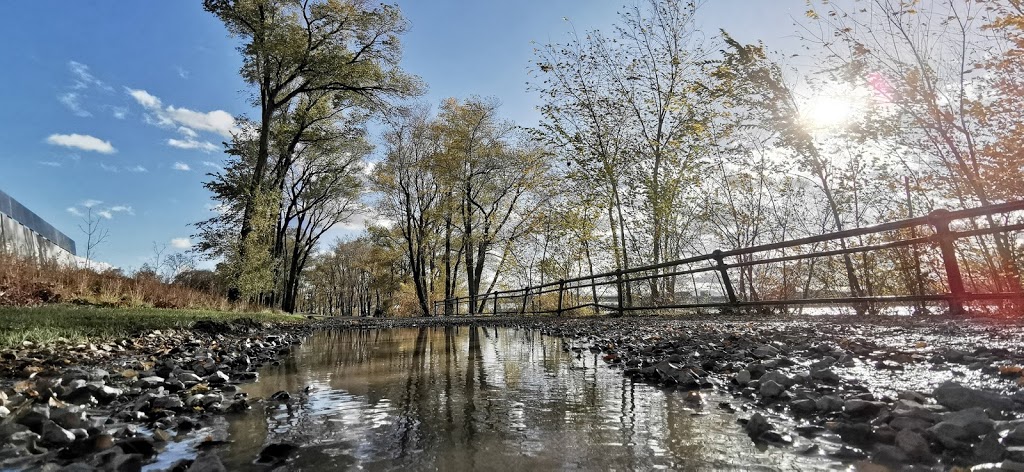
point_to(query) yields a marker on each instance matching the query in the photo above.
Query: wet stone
(55, 435)
(989, 449)
(914, 445)
(957, 397)
(771, 389)
(207, 462)
(829, 403)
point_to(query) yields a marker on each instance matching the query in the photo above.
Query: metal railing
(622, 291)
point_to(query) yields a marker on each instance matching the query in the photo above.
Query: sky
(121, 107)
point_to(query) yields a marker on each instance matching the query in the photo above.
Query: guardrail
(628, 296)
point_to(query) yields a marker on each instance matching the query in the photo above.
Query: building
(25, 234)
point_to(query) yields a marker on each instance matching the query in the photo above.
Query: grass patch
(77, 324)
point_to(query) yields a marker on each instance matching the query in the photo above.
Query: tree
(292, 48)
(95, 234)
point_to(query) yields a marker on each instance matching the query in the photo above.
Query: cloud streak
(81, 141)
(216, 121)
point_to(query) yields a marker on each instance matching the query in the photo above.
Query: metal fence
(32, 221)
(926, 244)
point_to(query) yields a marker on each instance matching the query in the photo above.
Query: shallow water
(466, 398)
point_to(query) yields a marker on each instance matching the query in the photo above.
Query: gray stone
(1015, 453)
(989, 449)
(829, 403)
(1015, 437)
(771, 389)
(857, 407)
(914, 445)
(218, 378)
(779, 378)
(150, 382)
(35, 417)
(70, 417)
(949, 435)
(890, 455)
(765, 351)
(911, 423)
(825, 375)
(855, 433)
(55, 435)
(742, 377)
(1011, 466)
(188, 377)
(974, 421)
(169, 402)
(803, 407)
(207, 462)
(957, 397)
(757, 425)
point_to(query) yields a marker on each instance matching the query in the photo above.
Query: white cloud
(105, 214)
(108, 168)
(182, 72)
(137, 169)
(72, 101)
(204, 146)
(74, 211)
(84, 79)
(123, 209)
(81, 141)
(181, 166)
(212, 165)
(120, 112)
(187, 132)
(90, 203)
(50, 163)
(181, 243)
(217, 121)
(144, 98)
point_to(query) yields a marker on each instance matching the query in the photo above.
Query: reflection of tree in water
(470, 397)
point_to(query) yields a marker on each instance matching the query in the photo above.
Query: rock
(765, 351)
(989, 449)
(803, 407)
(771, 389)
(218, 377)
(1015, 453)
(973, 421)
(150, 382)
(137, 445)
(779, 378)
(756, 425)
(912, 396)
(55, 435)
(742, 377)
(957, 397)
(169, 402)
(907, 422)
(949, 435)
(829, 403)
(858, 434)
(857, 407)
(281, 396)
(70, 417)
(275, 453)
(35, 417)
(914, 445)
(188, 377)
(207, 462)
(160, 435)
(1012, 466)
(1015, 437)
(890, 455)
(4, 412)
(825, 375)
(126, 463)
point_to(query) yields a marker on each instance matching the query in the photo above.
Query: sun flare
(828, 111)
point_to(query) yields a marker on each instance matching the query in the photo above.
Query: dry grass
(23, 282)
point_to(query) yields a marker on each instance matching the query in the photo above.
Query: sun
(828, 111)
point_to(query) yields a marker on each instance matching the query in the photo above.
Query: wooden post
(940, 221)
(724, 273)
(526, 296)
(495, 304)
(561, 294)
(619, 287)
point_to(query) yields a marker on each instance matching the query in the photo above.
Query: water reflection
(469, 398)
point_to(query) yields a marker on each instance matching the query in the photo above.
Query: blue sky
(122, 106)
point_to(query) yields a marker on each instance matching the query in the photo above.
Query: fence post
(495, 303)
(940, 221)
(724, 272)
(561, 293)
(526, 296)
(619, 286)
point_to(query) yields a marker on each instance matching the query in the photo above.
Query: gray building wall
(24, 233)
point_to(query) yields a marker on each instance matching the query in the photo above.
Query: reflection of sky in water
(463, 398)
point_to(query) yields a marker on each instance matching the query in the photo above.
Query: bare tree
(95, 234)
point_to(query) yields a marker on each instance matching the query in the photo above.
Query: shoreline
(834, 381)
